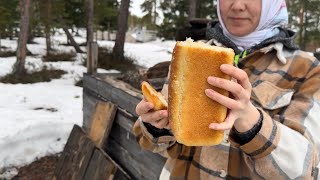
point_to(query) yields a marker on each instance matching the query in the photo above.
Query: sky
(36, 119)
(135, 7)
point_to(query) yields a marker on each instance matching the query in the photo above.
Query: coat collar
(283, 43)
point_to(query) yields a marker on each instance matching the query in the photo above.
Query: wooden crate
(81, 159)
(121, 143)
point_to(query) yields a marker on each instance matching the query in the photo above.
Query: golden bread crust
(190, 110)
(151, 95)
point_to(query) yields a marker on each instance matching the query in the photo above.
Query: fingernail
(211, 79)
(208, 92)
(164, 113)
(212, 126)
(150, 106)
(223, 67)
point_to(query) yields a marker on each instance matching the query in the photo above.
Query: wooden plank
(104, 75)
(125, 100)
(145, 159)
(90, 82)
(75, 157)
(88, 107)
(132, 166)
(105, 90)
(101, 122)
(118, 93)
(125, 119)
(100, 167)
(124, 149)
(120, 173)
(122, 145)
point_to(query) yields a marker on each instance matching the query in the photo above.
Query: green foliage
(150, 19)
(9, 17)
(176, 14)
(75, 13)
(207, 9)
(304, 19)
(105, 14)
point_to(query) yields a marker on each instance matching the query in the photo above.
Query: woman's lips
(238, 20)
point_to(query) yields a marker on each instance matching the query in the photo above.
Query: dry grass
(7, 53)
(45, 75)
(59, 56)
(106, 61)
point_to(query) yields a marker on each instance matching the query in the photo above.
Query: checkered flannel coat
(286, 87)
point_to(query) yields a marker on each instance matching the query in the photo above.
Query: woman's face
(241, 17)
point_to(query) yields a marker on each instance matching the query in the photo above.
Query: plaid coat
(286, 87)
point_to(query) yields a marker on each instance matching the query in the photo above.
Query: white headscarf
(273, 14)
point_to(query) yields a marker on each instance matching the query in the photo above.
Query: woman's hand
(242, 114)
(158, 119)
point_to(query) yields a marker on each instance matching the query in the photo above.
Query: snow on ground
(147, 54)
(36, 119)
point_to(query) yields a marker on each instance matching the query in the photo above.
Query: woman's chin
(239, 32)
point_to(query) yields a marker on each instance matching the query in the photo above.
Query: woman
(272, 125)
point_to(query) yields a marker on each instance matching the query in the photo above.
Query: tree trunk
(109, 29)
(47, 25)
(92, 48)
(192, 9)
(118, 49)
(301, 23)
(11, 33)
(72, 41)
(19, 68)
(90, 21)
(305, 25)
(154, 11)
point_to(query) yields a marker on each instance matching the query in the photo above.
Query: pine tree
(9, 17)
(105, 15)
(175, 16)
(150, 8)
(304, 19)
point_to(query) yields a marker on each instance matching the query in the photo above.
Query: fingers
(143, 107)
(227, 124)
(168, 126)
(223, 100)
(158, 119)
(233, 87)
(238, 74)
(154, 116)
(163, 123)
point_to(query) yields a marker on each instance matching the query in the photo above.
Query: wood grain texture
(101, 122)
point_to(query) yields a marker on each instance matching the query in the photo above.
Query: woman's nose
(238, 5)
